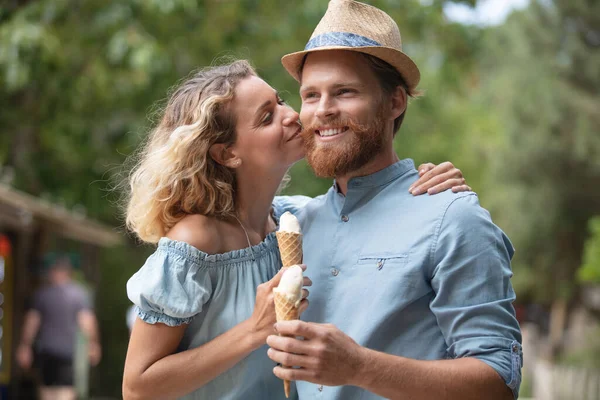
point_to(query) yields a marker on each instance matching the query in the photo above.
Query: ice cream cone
(286, 309)
(290, 247)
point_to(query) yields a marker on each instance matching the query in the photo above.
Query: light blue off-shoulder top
(180, 284)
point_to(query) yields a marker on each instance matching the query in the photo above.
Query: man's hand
(24, 356)
(326, 356)
(94, 353)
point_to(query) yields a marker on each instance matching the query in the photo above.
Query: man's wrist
(362, 378)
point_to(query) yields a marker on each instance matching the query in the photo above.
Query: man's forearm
(396, 377)
(31, 326)
(88, 325)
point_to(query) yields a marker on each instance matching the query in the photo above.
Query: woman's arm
(152, 370)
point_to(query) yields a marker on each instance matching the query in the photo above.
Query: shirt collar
(380, 178)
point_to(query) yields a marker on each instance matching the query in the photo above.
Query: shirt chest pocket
(389, 271)
(380, 261)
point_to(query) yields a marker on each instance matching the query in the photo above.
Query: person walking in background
(50, 326)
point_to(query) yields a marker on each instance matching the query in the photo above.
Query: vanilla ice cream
(289, 223)
(291, 284)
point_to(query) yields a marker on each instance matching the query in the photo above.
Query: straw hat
(350, 25)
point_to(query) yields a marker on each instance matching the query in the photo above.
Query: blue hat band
(344, 39)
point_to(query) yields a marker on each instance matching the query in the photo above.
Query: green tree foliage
(540, 77)
(590, 270)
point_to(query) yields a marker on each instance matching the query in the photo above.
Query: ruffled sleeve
(171, 287)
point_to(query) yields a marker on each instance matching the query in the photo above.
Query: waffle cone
(290, 248)
(285, 310)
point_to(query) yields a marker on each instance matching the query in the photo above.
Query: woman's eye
(267, 119)
(281, 101)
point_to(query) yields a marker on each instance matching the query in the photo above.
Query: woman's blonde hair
(174, 174)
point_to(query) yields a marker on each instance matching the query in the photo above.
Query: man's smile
(327, 132)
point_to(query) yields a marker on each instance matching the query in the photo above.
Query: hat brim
(407, 68)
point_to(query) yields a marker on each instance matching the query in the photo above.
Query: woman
(204, 191)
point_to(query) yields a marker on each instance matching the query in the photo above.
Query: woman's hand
(435, 179)
(263, 317)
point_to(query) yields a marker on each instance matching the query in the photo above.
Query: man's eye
(310, 95)
(344, 91)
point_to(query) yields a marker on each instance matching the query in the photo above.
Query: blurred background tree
(515, 106)
(540, 76)
(590, 270)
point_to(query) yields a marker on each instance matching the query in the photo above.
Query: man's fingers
(296, 328)
(295, 374)
(288, 359)
(288, 344)
(307, 281)
(305, 293)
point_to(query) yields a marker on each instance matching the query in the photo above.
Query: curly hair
(174, 174)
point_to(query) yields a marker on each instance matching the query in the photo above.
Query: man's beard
(329, 160)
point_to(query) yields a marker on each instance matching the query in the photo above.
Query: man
(57, 311)
(415, 291)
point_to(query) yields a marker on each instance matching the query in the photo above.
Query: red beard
(329, 160)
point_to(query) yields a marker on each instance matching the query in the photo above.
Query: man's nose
(326, 108)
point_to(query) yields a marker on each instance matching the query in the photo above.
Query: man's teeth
(331, 132)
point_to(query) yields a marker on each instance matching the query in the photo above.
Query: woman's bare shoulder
(200, 231)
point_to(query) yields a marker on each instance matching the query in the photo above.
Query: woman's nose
(291, 117)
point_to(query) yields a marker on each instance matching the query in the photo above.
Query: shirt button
(345, 218)
(320, 388)
(515, 348)
(334, 271)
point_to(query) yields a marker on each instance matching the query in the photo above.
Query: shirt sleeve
(83, 299)
(36, 301)
(473, 294)
(169, 288)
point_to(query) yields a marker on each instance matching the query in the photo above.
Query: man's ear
(223, 155)
(399, 99)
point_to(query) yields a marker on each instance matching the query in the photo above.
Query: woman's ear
(223, 155)
(399, 99)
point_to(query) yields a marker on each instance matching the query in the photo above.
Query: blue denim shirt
(424, 277)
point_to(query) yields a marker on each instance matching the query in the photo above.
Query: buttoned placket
(343, 229)
(343, 215)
